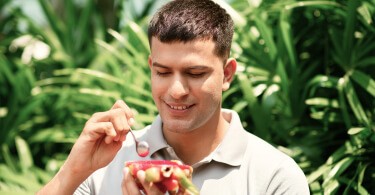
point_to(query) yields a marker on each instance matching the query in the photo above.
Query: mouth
(179, 107)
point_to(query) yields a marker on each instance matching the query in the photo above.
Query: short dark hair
(189, 20)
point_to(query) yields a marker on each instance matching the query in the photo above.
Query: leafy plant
(307, 86)
(305, 83)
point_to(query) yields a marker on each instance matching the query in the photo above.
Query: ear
(229, 71)
(149, 61)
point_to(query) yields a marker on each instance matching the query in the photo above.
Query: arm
(100, 140)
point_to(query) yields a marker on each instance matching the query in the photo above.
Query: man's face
(187, 83)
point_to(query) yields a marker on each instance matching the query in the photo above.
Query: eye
(196, 75)
(162, 73)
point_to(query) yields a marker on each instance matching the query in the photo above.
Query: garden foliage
(305, 82)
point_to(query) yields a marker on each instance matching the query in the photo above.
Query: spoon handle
(131, 131)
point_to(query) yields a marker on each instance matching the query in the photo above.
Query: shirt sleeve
(84, 189)
(288, 179)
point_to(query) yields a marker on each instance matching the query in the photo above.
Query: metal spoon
(142, 147)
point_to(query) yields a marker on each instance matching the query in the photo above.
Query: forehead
(192, 52)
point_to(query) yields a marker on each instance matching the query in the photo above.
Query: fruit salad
(168, 176)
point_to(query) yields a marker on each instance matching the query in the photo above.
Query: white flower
(33, 48)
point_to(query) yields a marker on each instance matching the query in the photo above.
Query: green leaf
(355, 130)
(24, 154)
(342, 102)
(354, 102)
(364, 80)
(337, 170)
(287, 38)
(256, 110)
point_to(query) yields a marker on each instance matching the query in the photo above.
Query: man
(190, 67)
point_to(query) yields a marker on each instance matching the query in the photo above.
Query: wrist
(66, 181)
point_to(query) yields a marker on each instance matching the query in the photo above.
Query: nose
(179, 88)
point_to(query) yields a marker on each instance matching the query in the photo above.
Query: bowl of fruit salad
(170, 176)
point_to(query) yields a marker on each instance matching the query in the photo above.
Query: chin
(177, 127)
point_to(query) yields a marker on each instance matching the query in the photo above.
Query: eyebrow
(196, 67)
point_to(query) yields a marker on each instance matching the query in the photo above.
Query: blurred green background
(306, 82)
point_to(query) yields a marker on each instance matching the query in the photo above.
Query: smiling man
(190, 67)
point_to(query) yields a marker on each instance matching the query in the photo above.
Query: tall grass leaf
(342, 103)
(337, 155)
(229, 92)
(132, 66)
(41, 174)
(27, 183)
(47, 135)
(338, 169)
(364, 80)
(239, 106)
(318, 3)
(368, 61)
(145, 104)
(259, 118)
(53, 21)
(25, 113)
(83, 24)
(267, 34)
(363, 10)
(100, 93)
(120, 38)
(53, 81)
(356, 130)
(236, 16)
(258, 71)
(354, 102)
(317, 174)
(70, 19)
(97, 74)
(322, 102)
(365, 46)
(331, 117)
(139, 90)
(287, 38)
(331, 187)
(284, 80)
(6, 71)
(337, 52)
(8, 157)
(361, 175)
(24, 154)
(141, 35)
(350, 25)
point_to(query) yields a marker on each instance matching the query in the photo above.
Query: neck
(194, 146)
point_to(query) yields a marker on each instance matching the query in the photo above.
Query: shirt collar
(233, 147)
(230, 151)
(155, 136)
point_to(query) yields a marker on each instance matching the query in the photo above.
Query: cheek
(213, 88)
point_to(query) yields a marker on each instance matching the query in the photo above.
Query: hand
(100, 139)
(97, 145)
(129, 186)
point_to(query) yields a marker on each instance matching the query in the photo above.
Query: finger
(128, 111)
(148, 186)
(98, 130)
(128, 184)
(116, 116)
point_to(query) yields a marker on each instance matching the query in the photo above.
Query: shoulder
(274, 171)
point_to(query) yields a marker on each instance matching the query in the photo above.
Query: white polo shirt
(241, 164)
